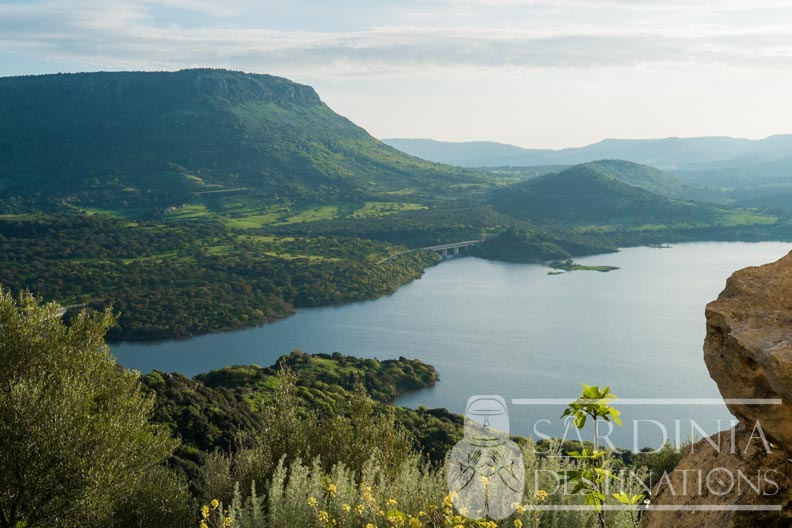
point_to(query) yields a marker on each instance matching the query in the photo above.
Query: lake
(513, 330)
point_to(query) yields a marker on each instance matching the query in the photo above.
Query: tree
(592, 473)
(74, 432)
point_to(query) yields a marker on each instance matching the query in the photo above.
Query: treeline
(180, 279)
(441, 224)
(525, 244)
(224, 410)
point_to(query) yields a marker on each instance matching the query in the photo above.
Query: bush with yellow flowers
(412, 495)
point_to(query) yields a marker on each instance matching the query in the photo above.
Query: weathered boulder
(748, 349)
(741, 472)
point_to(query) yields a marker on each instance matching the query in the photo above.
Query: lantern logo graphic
(486, 470)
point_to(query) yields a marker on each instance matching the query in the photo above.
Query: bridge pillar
(456, 251)
(444, 253)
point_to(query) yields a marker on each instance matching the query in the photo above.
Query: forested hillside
(180, 279)
(205, 200)
(139, 140)
(227, 409)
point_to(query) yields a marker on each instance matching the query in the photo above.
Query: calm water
(513, 330)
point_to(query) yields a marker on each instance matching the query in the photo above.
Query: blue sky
(537, 73)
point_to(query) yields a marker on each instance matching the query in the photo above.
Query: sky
(534, 73)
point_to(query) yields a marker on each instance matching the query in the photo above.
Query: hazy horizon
(533, 73)
(529, 147)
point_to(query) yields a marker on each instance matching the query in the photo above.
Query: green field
(314, 214)
(385, 208)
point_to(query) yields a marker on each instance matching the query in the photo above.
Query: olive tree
(74, 432)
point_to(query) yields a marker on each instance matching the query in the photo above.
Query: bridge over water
(444, 249)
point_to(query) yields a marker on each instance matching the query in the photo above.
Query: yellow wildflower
(312, 502)
(331, 489)
(517, 523)
(541, 495)
(227, 522)
(391, 502)
(205, 512)
(215, 503)
(346, 507)
(359, 509)
(203, 525)
(324, 516)
(368, 496)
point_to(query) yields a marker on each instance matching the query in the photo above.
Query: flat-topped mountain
(158, 137)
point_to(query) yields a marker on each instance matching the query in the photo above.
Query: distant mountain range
(743, 172)
(669, 153)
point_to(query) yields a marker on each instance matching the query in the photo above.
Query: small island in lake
(570, 265)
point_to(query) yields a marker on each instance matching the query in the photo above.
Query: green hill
(156, 139)
(225, 409)
(590, 194)
(652, 180)
(206, 200)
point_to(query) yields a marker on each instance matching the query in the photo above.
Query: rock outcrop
(727, 471)
(748, 351)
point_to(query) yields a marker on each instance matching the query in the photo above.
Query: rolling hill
(139, 139)
(593, 194)
(651, 179)
(206, 200)
(742, 172)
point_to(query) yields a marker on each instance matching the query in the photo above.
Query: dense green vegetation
(585, 195)
(418, 228)
(207, 200)
(653, 180)
(177, 279)
(181, 199)
(136, 139)
(76, 446)
(525, 244)
(226, 411)
(594, 203)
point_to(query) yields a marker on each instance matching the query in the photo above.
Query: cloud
(697, 6)
(124, 35)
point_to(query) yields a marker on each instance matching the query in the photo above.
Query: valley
(250, 197)
(414, 264)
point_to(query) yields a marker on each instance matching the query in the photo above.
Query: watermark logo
(487, 477)
(486, 470)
